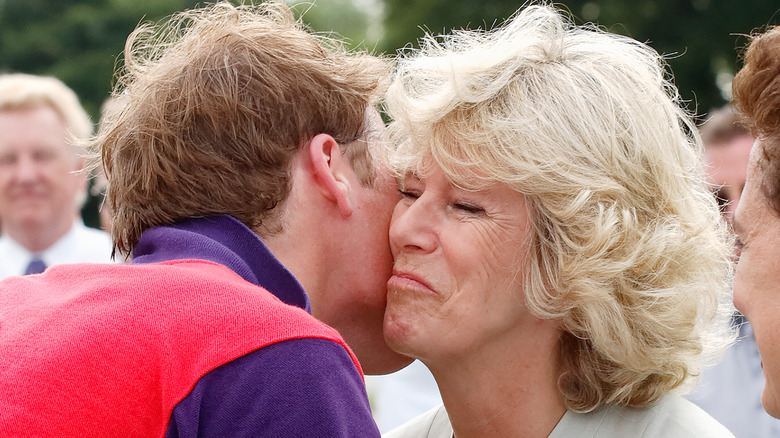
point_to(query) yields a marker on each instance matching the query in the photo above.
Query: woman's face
(457, 280)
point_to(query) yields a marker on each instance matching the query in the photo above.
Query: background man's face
(37, 184)
(727, 171)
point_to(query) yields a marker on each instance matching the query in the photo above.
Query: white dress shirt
(80, 244)
(401, 396)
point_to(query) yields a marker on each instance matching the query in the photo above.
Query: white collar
(16, 257)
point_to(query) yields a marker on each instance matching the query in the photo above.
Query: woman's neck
(503, 390)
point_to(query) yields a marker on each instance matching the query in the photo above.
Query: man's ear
(331, 171)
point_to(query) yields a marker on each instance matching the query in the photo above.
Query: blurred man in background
(731, 391)
(727, 146)
(42, 187)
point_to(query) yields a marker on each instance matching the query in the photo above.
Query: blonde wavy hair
(628, 251)
(213, 105)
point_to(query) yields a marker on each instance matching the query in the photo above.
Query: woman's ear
(331, 172)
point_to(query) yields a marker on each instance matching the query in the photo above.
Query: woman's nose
(413, 226)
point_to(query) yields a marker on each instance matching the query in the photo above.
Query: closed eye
(409, 194)
(7, 159)
(469, 208)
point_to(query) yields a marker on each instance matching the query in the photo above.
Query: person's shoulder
(670, 417)
(432, 424)
(674, 416)
(317, 376)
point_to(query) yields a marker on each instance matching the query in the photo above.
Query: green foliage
(342, 19)
(78, 41)
(700, 38)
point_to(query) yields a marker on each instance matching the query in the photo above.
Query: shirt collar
(58, 253)
(227, 241)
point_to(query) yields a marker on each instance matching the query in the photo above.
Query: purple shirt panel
(227, 241)
(297, 388)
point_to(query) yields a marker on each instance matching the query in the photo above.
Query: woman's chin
(770, 400)
(400, 335)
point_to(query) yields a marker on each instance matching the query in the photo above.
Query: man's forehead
(756, 153)
(34, 113)
(34, 128)
(753, 195)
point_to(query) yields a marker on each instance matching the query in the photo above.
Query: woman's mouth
(408, 280)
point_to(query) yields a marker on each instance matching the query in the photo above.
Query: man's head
(218, 101)
(240, 111)
(41, 191)
(727, 146)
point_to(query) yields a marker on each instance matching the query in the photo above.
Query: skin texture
(757, 281)
(727, 170)
(455, 301)
(335, 242)
(456, 261)
(38, 186)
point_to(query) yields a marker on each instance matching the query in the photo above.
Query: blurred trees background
(77, 41)
(700, 38)
(80, 41)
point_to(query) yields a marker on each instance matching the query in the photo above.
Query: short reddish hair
(215, 103)
(756, 90)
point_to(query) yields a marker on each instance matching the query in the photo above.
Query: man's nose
(26, 169)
